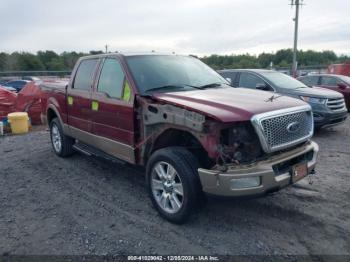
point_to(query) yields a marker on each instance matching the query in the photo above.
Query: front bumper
(273, 173)
(324, 119)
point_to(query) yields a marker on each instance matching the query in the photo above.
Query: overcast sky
(200, 27)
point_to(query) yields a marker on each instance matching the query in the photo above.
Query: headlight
(313, 100)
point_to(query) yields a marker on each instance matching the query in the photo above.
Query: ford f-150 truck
(193, 133)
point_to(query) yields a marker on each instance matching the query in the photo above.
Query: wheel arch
(52, 113)
(172, 137)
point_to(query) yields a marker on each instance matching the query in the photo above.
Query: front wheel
(173, 183)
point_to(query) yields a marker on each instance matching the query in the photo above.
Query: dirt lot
(85, 205)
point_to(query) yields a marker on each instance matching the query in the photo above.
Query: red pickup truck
(181, 120)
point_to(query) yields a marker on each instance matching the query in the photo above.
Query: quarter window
(85, 75)
(111, 79)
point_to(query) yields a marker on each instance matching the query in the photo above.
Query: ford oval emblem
(293, 127)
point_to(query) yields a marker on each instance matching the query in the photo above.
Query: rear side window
(249, 80)
(85, 74)
(328, 81)
(309, 80)
(111, 79)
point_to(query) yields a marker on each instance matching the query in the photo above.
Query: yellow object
(18, 122)
(126, 92)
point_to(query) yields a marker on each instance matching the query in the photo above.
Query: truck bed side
(54, 99)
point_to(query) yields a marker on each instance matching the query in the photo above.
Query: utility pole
(297, 3)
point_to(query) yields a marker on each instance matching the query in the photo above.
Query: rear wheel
(173, 184)
(61, 144)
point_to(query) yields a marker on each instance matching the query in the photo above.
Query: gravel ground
(83, 205)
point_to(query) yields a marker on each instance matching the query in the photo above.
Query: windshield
(154, 73)
(283, 81)
(346, 79)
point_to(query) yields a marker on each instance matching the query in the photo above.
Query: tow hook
(311, 176)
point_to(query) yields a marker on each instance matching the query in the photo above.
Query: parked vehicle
(340, 69)
(328, 106)
(337, 83)
(179, 118)
(17, 84)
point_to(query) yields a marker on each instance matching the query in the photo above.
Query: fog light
(246, 182)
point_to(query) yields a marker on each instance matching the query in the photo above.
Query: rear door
(79, 98)
(113, 111)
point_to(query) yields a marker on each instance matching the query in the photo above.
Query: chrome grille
(336, 104)
(284, 128)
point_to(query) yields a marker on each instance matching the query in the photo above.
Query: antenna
(297, 4)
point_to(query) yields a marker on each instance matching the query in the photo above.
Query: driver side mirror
(341, 85)
(262, 86)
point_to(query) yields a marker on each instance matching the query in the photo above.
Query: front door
(113, 112)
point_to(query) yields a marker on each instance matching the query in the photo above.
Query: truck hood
(318, 92)
(228, 104)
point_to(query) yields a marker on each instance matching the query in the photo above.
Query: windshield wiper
(164, 87)
(172, 86)
(210, 85)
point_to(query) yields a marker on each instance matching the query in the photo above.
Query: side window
(85, 74)
(249, 80)
(231, 75)
(310, 80)
(111, 79)
(328, 81)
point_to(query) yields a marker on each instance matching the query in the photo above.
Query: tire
(173, 183)
(62, 145)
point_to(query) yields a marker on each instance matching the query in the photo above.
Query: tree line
(51, 61)
(41, 61)
(281, 59)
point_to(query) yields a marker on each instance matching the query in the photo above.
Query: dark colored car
(178, 118)
(17, 84)
(337, 83)
(328, 106)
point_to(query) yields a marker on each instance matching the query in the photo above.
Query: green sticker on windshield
(94, 105)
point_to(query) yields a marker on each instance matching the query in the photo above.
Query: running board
(92, 151)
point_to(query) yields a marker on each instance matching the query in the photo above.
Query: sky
(199, 27)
